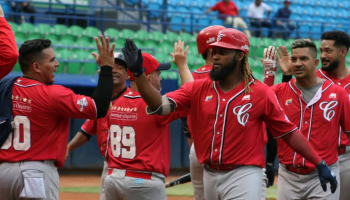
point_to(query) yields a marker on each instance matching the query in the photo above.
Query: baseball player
(318, 107)
(41, 114)
(334, 47)
(100, 126)
(139, 145)
(232, 153)
(8, 47)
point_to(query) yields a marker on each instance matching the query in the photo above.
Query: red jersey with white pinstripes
(228, 127)
(319, 120)
(202, 72)
(345, 83)
(41, 121)
(138, 141)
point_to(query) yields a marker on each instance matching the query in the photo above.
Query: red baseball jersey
(226, 8)
(100, 128)
(8, 48)
(138, 141)
(41, 121)
(202, 72)
(228, 127)
(319, 120)
(345, 83)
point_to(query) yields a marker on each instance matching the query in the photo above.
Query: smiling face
(304, 62)
(225, 62)
(155, 79)
(46, 66)
(119, 73)
(330, 55)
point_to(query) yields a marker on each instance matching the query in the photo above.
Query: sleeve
(8, 48)
(63, 101)
(276, 120)
(344, 117)
(250, 12)
(215, 7)
(182, 98)
(266, 7)
(89, 127)
(234, 6)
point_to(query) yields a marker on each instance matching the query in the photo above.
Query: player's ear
(36, 67)
(149, 77)
(240, 55)
(317, 61)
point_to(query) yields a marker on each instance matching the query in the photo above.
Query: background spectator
(256, 11)
(228, 7)
(282, 20)
(24, 7)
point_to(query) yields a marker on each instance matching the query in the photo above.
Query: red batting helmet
(207, 36)
(230, 38)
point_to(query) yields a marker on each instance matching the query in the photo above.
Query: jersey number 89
(123, 136)
(21, 134)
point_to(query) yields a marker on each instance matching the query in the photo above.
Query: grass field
(179, 190)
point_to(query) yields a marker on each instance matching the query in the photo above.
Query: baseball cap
(119, 56)
(150, 64)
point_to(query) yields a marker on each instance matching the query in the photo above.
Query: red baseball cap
(150, 64)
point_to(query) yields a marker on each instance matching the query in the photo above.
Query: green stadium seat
(14, 27)
(157, 36)
(82, 55)
(20, 37)
(68, 37)
(169, 75)
(90, 68)
(186, 37)
(166, 48)
(112, 33)
(60, 69)
(266, 42)
(259, 52)
(53, 38)
(86, 38)
(43, 29)
(27, 28)
(142, 35)
(83, 43)
(151, 44)
(192, 60)
(172, 37)
(76, 31)
(120, 43)
(280, 41)
(64, 54)
(318, 43)
(162, 57)
(66, 42)
(73, 68)
(254, 42)
(17, 67)
(33, 36)
(92, 32)
(126, 33)
(60, 29)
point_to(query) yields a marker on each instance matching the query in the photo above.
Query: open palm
(284, 60)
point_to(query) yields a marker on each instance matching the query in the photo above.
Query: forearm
(185, 74)
(149, 94)
(299, 143)
(103, 92)
(269, 80)
(78, 140)
(271, 148)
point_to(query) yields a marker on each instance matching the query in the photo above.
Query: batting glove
(269, 61)
(270, 173)
(133, 58)
(326, 175)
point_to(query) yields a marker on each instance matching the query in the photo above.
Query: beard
(224, 71)
(333, 65)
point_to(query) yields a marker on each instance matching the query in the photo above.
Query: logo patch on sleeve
(82, 103)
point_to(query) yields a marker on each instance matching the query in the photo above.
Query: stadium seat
(52, 38)
(186, 37)
(139, 43)
(171, 36)
(17, 67)
(60, 29)
(14, 27)
(157, 36)
(92, 32)
(202, 23)
(153, 7)
(163, 57)
(83, 43)
(254, 42)
(76, 31)
(217, 21)
(73, 68)
(66, 42)
(189, 24)
(60, 68)
(20, 37)
(112, 33)
(142, 35)
(176, 23)
(126, 33)
(43, 29)
(167, 47)
(27, 28)
(151, 44)
(33, 36)
(90, 68)
(64, 54)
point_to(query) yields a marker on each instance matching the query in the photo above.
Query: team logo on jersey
(208, 98)
(210, 40)
(241, 112)
(328, 113)
(220, 36)
(82, 103)
(288, 101)
(333, 96)
(246, 97)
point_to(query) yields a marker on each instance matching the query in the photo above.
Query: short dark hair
(205, 54)
(30, 52)
(341, 39)
(305, 43)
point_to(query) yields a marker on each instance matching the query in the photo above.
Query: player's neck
(230, 82)
(117, 89)
(34, 77)
(209, 61)
(133, 86)
(308, 82)
(340, 72)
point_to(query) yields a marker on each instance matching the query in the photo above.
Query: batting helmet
(230, 38)
(207, 36)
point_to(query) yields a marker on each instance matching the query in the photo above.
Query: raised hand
(180, 55)
(284, 60)
(105, 56)
(269, 61)
(133, 58)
